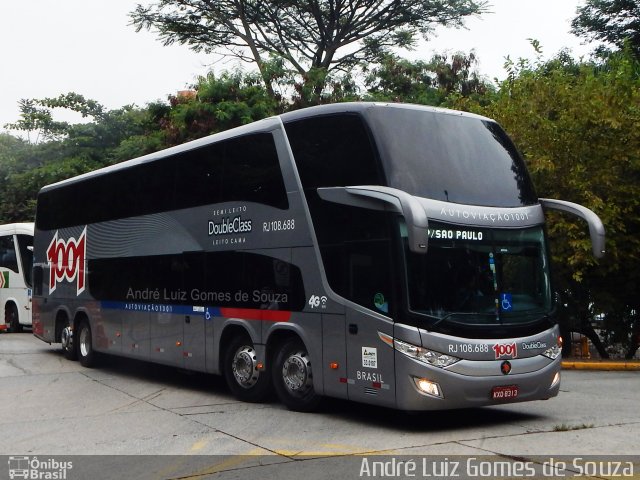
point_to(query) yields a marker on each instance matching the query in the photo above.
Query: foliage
(616, 22)
(399, 80)
(439, 81)
(314, 39)
(10, 147)
(215, 104)
(37, 120)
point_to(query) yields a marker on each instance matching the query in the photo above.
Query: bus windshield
(25, 245)
(451, 158)
(480, 276)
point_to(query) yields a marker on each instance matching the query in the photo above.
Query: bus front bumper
(474, 383)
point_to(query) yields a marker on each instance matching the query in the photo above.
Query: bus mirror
(375, 197)
(596, 228)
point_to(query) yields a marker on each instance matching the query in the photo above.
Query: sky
(51, 47)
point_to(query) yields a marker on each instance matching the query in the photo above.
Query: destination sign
(456, 234)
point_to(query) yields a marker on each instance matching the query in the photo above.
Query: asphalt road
(182, 425)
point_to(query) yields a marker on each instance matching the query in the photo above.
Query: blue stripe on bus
(207, 312)
(160, 308)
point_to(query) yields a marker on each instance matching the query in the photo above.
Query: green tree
(616, 22)
(37, 121)
(400, 80)
(437, 82)
(215, 104)
(10, 148)
(314, 38)
(578, 125)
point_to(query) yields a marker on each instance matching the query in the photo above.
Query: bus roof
(25, 228)
(361, 107)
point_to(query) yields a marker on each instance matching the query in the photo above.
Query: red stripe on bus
(255, 314)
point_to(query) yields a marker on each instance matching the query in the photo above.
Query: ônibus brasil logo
(67, 258)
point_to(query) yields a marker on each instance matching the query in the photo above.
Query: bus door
(370, 362)
(178, 336)
(166, 333)
(194, 345)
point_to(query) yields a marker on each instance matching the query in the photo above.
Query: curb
(620, 365)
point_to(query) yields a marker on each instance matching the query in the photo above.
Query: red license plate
(508, 392)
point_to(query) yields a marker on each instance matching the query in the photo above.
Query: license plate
(508, 392)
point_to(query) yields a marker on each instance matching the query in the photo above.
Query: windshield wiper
(465, 314)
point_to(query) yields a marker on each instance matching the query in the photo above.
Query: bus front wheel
(11, 317)
(245, 377)
(293, 377)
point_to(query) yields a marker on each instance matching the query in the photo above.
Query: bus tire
(11, 317)
(245, 380)
(69, 348)
(86, 355)
(293, 377)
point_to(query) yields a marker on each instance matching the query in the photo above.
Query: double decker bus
(384, 253)
(16, 263)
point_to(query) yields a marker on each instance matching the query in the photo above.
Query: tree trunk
(587, 330)
(635, 341)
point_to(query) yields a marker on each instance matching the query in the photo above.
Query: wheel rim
(245, 367)
(85, 342)
(296, 373)
(66, 338)
(11, 318)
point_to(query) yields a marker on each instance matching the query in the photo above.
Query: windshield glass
(25, 244)
(480, 276)
(451, 157)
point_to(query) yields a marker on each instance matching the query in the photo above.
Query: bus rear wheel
(11, 317)
(246, 380)
(86, 355)
(293, 377)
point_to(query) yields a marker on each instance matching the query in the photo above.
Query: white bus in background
(16, 262)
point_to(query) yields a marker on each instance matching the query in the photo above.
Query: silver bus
(384, 253)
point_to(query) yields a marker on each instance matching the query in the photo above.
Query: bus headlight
(553, 352)
(424, 355)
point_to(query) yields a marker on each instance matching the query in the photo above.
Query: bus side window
(356, 253)
(8, 258)
(355, 243)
